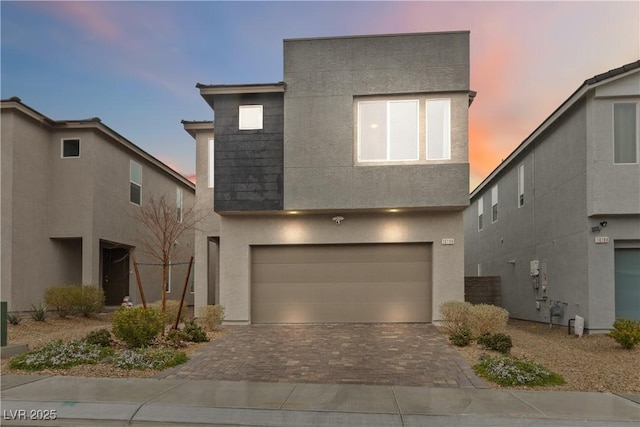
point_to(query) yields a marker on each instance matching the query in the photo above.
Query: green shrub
(137, 326)
(498, 342)
(626, 332)
(101, 337)
(195, 333)
(171, 310)
(487, 319)
(63, 299)
(13, 318)
(149, 358)
(39, 312)
(461, 338)
(91, 300)
(212, 316)
(511, 371)
(455, 316)
(177, 338)
(56, 354)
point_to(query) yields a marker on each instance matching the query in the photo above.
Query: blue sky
(135, 64)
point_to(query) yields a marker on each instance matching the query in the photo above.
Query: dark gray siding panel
(248, 163)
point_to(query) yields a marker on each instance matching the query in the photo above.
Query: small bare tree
(164, 224)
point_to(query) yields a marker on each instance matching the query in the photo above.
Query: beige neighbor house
(69, 190)
(559, 219)
(338, 194)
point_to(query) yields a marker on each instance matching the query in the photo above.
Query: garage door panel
(341, 283)
(342, 272)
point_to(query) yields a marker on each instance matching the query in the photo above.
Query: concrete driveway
(374, 354)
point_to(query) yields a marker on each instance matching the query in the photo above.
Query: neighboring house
(559, 219)
(338, 193)
(69, 192)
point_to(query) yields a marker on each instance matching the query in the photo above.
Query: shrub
(63, 299)
(150, 358)
(171, 310)
(511, 371)
(137, 326)
(101, 337)
(39, 312)
(195, 333)
(498, 342)
(56, 354)
(177, 338)
(455, 316)
(626, 332)
(212, 316)
(488, 319)
(13, 318)
(91, 300)
(462, 338)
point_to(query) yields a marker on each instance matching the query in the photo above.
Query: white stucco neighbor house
(337, 194)
(559, 219)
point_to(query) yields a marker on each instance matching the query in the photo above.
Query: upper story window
(480, 213)
(521, 185)
(438, 129)
(210, 158)
(494, 203)
(388, 130)
(250, 117)
(625, 133)
(179, 204)
(135, 183)
(70, 148)
(403, 130)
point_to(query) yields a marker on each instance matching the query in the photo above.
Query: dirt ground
(591, 363)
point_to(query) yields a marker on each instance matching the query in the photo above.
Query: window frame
(134, 183)
(494, 204)
(179, 204)
(62, 143)
(480, 213)
(637, 132)
(210, 164)
(520, 185)
(447, 133)
(243, 125)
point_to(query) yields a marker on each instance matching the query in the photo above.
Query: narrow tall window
(210, 168)
(625, 133)
(167, 288)
(388, 130)
(494, 203)
(521, 185)
(480, 212)
(438, 129)
(179, 204)
(70, 148)
(135, 183)
(250, 117)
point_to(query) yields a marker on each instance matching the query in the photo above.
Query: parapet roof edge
(358, 36)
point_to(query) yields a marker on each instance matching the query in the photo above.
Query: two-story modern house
(70, 190)
(339, 192)
(559, 219)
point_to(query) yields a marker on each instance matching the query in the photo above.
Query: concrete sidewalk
(154, 402)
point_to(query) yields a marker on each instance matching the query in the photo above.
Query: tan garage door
(341, 283)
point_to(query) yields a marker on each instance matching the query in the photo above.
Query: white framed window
(210, 157)
(179, 204)
(388, 130)
(167, 288)
(70, 148)
(480, 213)
(135, 183)
(625, 133)
(494, 203)
(521, 185)
(438, 129)
(250, 117)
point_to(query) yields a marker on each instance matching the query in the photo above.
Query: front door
(115, 275)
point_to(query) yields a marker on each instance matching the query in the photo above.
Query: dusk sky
(135, 64)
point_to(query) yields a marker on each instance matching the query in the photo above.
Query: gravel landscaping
(591, 363)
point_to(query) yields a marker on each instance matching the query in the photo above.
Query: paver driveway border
(401, 354)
